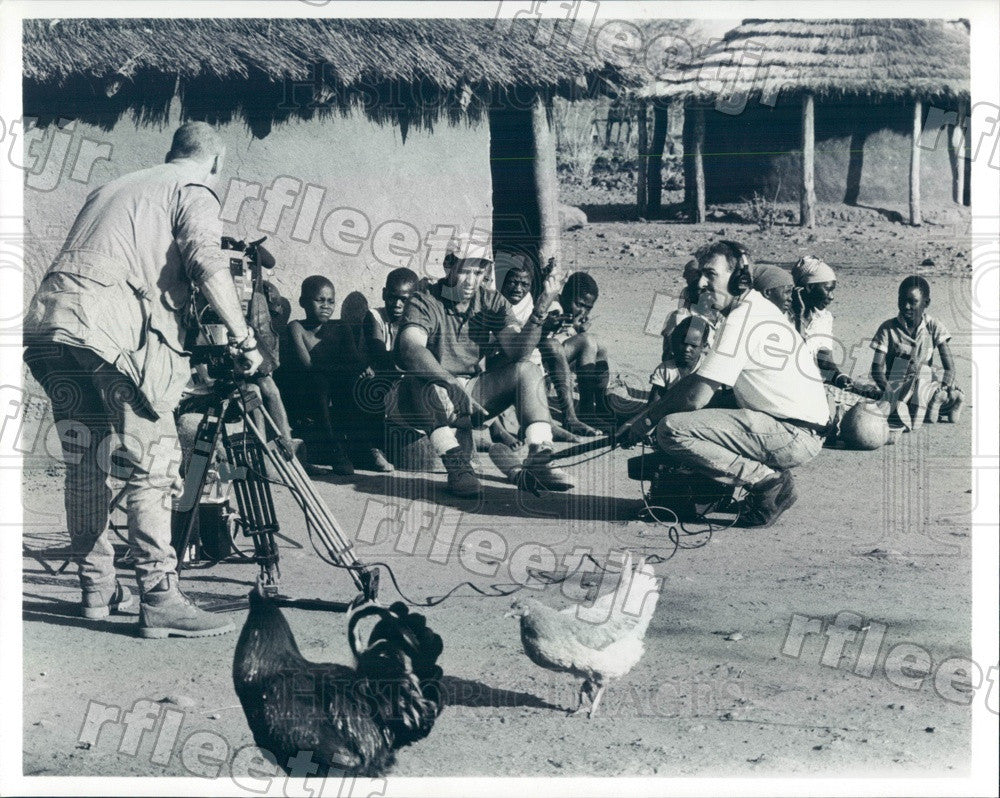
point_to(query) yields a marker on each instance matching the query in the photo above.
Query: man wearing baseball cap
(446, 330)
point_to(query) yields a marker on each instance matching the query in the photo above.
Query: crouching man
(782, 414)
(446, 330)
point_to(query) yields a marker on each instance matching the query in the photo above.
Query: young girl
(682, 353)
(904, 353)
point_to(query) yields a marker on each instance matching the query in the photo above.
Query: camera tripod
(248, 454)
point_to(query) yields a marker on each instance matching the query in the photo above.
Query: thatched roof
(771, 58)
(459, 65)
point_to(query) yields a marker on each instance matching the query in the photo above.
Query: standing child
(318, 370)
(904, 353)
(682, 353)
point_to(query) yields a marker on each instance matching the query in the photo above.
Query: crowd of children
(334, 376)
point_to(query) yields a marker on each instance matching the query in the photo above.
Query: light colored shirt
(816, 328)
(759, 353)
(121, 283)
(668, 372)
(458, 339)
(522, 311)
(906, 352)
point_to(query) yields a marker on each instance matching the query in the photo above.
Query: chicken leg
(596, 699)
(585, 689)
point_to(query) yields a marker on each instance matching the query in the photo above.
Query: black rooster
(351, 720)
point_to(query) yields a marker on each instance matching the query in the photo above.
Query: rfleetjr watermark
(151, 730)
(52, 153)
(863, 646)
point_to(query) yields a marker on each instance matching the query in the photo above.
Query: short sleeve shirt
(905, 352)
(459, 340)
(759, 353)
(668, 372)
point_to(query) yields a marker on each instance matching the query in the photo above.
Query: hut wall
(862, 154)
(435, 179)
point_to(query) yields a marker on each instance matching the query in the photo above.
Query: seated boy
(815, 283)
(319, 367)
(570, 348)
(378, 334)
(904, 353)
(682, 353)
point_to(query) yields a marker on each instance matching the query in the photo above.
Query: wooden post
(807, 191)
(641, 156)
(546, 182)
(915, 219)
(654, 170)
(957, 152)
(687, 145)
(699, 165)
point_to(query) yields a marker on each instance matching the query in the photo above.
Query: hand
(554, 282)
(247, 363)
(632, 431)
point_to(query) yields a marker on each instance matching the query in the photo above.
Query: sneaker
(766, 501)
(166, 611)
(99, 605)
(462, 480)
(538, 467)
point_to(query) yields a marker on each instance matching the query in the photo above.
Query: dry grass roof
(899, 58)
(440, 55)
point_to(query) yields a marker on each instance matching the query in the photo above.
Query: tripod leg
(205, 441)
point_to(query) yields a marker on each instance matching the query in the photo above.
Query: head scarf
(767, 277)
(810, 269)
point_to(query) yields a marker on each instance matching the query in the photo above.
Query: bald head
(196, 141)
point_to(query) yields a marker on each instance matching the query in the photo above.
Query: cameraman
(103, 336)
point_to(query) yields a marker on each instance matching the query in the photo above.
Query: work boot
(546, 475)
(462, 480)
(97, 604)
(767, 500)
(166, 611)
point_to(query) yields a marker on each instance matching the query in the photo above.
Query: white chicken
(597, 643)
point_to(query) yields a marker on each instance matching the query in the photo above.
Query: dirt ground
(884, 534)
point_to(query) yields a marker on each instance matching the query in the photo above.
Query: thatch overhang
(402, 70)
(777, 59)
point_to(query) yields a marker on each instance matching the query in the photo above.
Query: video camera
(208, 338)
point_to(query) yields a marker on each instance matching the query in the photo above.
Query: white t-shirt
(668, 372)
(759, 353)
(522, 312)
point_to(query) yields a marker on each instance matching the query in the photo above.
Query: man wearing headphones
(782, 412)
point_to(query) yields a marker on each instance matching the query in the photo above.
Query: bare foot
(576, 427)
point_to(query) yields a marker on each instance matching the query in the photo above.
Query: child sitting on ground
(682, 353)
(378, 330)
(319, 366)
(904, 353)
(568, 348)
(815, 284)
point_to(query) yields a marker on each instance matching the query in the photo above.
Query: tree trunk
(546, 181)
(687, 160)
(641, 156)
(807, 191)
(699, 165)
(956, 151)
(915, 165)
(654, 172)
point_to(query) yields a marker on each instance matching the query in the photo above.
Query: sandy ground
(883, 534)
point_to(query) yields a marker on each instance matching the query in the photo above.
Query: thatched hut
(827, 110)
(356, 145)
